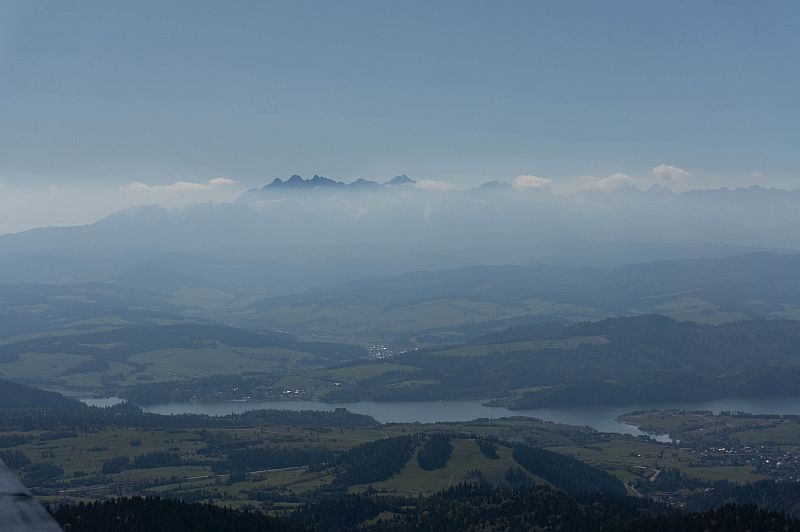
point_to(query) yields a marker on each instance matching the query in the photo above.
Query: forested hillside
(636, 360)
(462, 508)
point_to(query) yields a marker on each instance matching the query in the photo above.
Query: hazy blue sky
(106, 93)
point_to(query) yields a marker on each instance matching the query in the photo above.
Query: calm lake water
(602, 418)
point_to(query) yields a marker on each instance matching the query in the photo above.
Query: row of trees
(435, 452)
(566, 472)
(374, 461)
(476, 507)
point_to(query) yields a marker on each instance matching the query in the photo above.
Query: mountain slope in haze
(771, 278)
(483, 226)
(276, 270)
(430, 303)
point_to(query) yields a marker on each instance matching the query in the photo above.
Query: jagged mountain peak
(399, 180)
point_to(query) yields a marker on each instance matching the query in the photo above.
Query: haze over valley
(316, 266)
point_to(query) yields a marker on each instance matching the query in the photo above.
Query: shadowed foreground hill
(163, 515)
(462, 508)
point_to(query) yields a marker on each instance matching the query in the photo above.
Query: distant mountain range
(296, 183)
(294, 234)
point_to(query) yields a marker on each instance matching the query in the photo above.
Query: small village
(770, 461)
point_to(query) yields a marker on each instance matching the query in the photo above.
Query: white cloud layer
(432, 184)
(24, 205)
(221, 182)
(669, 172)
(177, 186)
(528, 182)
(606, 184)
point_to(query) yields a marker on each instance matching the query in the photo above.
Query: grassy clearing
(619, 456)
(744, 430)
(41, 365)
(203, 297)
(155, 473)
(622, 457)
(692, 309)
(362, 319)
(367, 324)
(190, 363)
(87, 452)
(784, 434)
(534, 345)
(366, 371)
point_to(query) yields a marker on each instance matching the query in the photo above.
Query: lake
(602, 418)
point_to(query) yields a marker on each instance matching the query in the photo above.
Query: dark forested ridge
(461, 508)
(729, 518)
(14, 395)
(766, 494)
(374, 461)
(153, 514)
(435, 452)
(567, 473)
(272, 458)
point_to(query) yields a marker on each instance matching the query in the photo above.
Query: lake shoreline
(607, 419)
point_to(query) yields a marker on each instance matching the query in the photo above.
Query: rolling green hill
(639, 359)
(30, 310)
(105, 360)
(428, 308)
